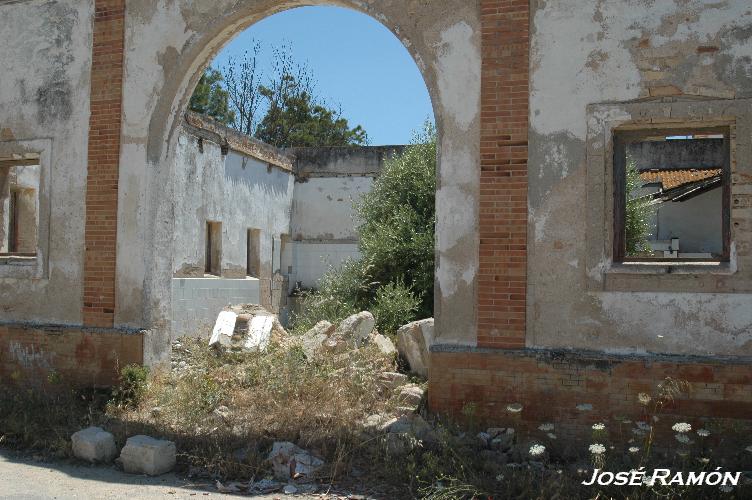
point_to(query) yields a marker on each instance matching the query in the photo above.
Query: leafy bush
(394, 306)
(132, 386)
(399, 218)
(638, 214)
(394, 277)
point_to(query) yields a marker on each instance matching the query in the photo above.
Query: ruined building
(543, 295)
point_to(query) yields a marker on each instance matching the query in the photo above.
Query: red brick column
(503, 179)
(103, 164)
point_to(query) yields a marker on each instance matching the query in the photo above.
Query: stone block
(94, 445)
(146, 455)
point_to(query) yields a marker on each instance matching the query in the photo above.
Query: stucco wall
(615, 51)
(45, 49)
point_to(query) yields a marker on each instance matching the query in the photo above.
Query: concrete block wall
(197, 301)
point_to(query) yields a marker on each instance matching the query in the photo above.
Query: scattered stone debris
(392, 380)
(94, 444)
(147, 455)
(292, 462)
(314, 338)
(411, 394)
(356, 328)
(413, 343)
(385, 345)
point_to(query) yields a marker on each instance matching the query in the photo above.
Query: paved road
(26, 479)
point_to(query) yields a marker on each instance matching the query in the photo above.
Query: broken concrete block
(146, 455)
(94, 444)
(356, 327)
(259, 333)
(223, 328)
(413, 343)
(291, 462)
(385, 345)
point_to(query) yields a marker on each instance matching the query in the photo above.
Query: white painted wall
(323, 207)
(311, 260)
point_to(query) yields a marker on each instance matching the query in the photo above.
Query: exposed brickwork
(551, 385)
(81, 358)
(503, 182)
(103, 163)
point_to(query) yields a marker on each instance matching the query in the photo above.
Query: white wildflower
(682, 438)
(514, 408)
(726, 488)
(703, 432)
(634, 449)
(703, 460)
(597, 449)
(681, 427)
(500, 477)
(551, 435)
(537, 450)
(643, 398)
(599, 426)
(546, 427)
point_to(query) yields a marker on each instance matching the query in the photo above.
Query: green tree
(295, 115)
(394, 276)
(210, 99)
(638, 215)
(398, 220)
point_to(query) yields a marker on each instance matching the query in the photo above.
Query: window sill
(17, 260)
(653, 268)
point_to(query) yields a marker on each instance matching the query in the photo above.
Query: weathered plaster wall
(598, 51)
(241, 192)
(168, 43)
(45, 49)
(322, 227)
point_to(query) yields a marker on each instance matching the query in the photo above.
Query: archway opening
(306, 163)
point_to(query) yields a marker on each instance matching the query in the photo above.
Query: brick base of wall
(550, 385)
(77, 357)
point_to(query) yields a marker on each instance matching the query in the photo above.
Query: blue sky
(358, 63)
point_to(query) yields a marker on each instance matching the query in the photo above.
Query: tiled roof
(670, 179)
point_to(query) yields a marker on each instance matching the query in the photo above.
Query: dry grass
(215, 405)
(225, 410)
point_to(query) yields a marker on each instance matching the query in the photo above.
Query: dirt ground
(22, 478)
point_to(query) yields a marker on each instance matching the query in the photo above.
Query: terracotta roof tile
(670, 179)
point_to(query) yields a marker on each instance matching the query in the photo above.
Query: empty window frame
(19, 206)
(253, 252)
(213, 259)
(672, 195)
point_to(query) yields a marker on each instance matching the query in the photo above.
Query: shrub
(394, 277)
(394, 306)
(132, 386)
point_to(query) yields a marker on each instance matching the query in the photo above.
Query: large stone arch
(167, 45)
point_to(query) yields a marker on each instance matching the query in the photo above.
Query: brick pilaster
(503, 182)
(103, 163)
